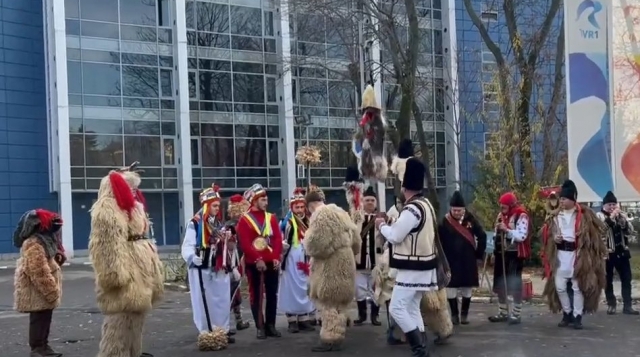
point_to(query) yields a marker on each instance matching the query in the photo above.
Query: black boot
(455, 314)
(293, 327)
(230, 340)
(242, 325)
(375, 312)
(628, 310)
(611, 310)
(305, 326)
(362, 312)
(418, 344)
(577, 322)
(261, 334)
(272, 332)
(464, 313)
(567, 319)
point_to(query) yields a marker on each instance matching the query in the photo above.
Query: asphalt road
(170, 331)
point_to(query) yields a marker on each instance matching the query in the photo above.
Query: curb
(176, 287)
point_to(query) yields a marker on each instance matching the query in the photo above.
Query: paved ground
(169, 333)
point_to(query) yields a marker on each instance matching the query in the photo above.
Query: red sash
(463, 231)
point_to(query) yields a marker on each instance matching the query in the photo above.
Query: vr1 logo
(589, 34)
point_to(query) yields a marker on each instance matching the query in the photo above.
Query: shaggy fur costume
(129, 273)
(589, 268)
(368, 142)
(38, 279)
(351, 190)
(435, 314)
(329, 242)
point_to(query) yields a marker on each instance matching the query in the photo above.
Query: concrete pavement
(170, 332)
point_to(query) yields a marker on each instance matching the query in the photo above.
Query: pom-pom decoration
(308, 155)
(215, 340)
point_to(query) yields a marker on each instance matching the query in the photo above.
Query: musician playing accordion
(619, 233)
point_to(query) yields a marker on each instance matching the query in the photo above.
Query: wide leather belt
(566, 246)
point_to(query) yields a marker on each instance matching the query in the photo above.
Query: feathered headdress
(237, 206)
(399, 161)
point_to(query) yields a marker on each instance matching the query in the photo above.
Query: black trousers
(622, 264)
(513, 267)
(39, 328)
(270, 278)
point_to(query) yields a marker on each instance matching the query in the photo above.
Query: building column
(183, 131)
(287, 123)
(451, 106)
(58, 114)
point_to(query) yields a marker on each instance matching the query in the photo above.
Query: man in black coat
(464, 242)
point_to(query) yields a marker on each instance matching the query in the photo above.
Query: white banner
(626, 95)
(588, 97)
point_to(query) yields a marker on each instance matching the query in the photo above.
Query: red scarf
(524, 247)
(463, 231)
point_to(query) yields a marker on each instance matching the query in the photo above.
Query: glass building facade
(128, 71)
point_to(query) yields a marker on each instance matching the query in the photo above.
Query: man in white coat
(413, 254)
(204, 249)
(293, 299)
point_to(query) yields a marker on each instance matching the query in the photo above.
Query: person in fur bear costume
(574, 250)
(368, 142)
(129, 273)
(329, 242)
(38, 278)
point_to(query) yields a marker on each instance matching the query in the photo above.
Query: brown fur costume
(589, 268)
(38, 279)
(328, 241)
(129, 273)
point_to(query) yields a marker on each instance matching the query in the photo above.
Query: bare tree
(332, 35)
(529, 25)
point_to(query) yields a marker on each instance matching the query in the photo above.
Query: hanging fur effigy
(368, 142)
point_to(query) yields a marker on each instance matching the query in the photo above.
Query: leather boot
(577, 322)
(305, 326)
(417, 343)
(628, 310)
(375, 312)
(362, 313)
(293, 327)
(272, 332)
(50, 352)
(455, 314)
(567, 319)
(464, 313)
(261, 334)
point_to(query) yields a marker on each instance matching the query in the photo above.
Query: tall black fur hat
(370, 192)
(353, 175)
(414, 175)
(457, 200)
(609, 198)
(569, 190)
(405, 149)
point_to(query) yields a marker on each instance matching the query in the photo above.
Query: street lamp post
(304, 122)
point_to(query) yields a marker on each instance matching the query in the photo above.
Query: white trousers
(364, 285)
(405, 309)
(452, 293)
(217, 292)
(578, 298)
